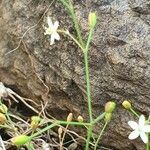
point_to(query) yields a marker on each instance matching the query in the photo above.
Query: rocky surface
(119, 59)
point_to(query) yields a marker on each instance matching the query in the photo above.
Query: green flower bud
(3, 108)
(108, 117)
(36, 119)
(80, 118)
(110, 106)
(34, 125)
(20, 140)
(126, 104)
(92, 19)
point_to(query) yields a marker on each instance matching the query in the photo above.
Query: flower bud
(36, 119)
(3, 108)
(108, 117)
(69, 118)
(34, 125)
(110, 106)
(20, 140)
(92, 19)
(126, 104)
(60, 131)
(80, 119)
(3, 118)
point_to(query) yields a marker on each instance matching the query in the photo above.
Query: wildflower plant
(54, 32)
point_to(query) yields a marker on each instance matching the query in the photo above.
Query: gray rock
(119, 59)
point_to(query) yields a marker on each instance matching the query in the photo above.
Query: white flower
(52, 30)
(140, 129)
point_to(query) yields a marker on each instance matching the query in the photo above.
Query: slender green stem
(133, 111)
(87, 74)
(42, 130)
(73, 123)
(147, 145)
(100, 117)
(89, 134)
(89, 131)
(56, 123)
(76, 41)
(100, 135)
(89, 39)
(88, 87)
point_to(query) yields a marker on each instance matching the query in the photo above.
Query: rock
(119, 59)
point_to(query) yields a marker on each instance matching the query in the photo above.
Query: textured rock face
(119, 59)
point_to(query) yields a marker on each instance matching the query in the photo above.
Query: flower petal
(56, 35)
(141, 121)
(49, 22)
(52, 39)
(56, 24)
(146, 128)
(144, 137)
(133, 125)
(47, 32)
(134, 134)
